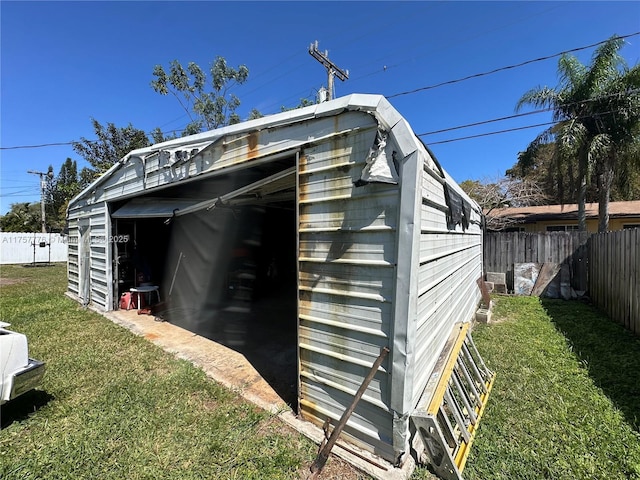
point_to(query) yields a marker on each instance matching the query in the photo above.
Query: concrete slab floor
(233, 370)
(223, 364)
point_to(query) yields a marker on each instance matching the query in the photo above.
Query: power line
(488, 133)
(433, 132)
(533, 112)
(21, 193)
(449, 44)
(515, 129)
(449, 82)
(37, 146)
(508, 67)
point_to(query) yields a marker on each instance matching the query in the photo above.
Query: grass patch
(565, 404)
(115, 406)
(565, 401)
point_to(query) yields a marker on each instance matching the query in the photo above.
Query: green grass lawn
(566, 402)
(565, 405)
(114, 406)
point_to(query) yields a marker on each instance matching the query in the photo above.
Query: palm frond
(571, 71)
(605, 65)
(538, 97)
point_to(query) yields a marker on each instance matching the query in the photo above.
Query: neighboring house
(561, 218)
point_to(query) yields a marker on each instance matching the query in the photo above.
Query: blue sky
(63, 63)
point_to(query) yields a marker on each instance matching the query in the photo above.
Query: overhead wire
(334, 37)
(449, 82)
(17, 194)
(440, 49)
(533, 112)
(508, 67)
(37, 146)
(469, 77)
(486, 134)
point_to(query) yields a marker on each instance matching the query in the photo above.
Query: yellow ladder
(449, 412)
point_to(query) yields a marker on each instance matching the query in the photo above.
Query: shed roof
(377, 105)
(386, 115)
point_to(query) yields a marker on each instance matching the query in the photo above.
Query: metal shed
(374, 244)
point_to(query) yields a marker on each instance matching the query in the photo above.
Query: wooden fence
(606, 265)
(614, 275)
(503, 250)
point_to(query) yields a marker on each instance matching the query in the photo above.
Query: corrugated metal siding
(73, 274)
(450, 264)
(347, 276)
(99, 254)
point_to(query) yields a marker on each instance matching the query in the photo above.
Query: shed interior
(227, 272)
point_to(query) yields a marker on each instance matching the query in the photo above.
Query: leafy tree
(158, 136)
(556, 178)
(112, 144)
(22, 217)
(595, 110)
(493, 195)
(626, 185)
(616, 121)
(559, 182)
(304, 102)
(59, 192)
(206, 101)
(254, 113)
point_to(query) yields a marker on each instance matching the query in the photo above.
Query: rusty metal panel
(368, 213)
(146, 171)
(365, 247)
(347, 257)
(369, 427)
(450, 262)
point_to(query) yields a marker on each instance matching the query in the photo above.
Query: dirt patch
(335, 468)
(10, 281)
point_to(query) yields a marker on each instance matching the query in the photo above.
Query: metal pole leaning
(323, 454)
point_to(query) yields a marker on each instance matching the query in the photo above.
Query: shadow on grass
(610, 353)
(22, 407)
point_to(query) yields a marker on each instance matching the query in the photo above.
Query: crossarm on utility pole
(332, 69)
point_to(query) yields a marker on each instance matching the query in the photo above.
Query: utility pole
(43, 186)
(332, 69)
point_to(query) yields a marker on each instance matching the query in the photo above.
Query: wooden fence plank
(607, 265)
(634, 281)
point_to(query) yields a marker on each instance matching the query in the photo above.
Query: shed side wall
(96, 249)
(450, 263)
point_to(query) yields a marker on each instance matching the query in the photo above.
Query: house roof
(567, 212)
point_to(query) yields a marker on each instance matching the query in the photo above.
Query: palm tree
(616, 120)
(595, 110)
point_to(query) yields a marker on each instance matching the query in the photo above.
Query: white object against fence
(19, 248)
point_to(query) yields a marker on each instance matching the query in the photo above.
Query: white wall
(19, 248)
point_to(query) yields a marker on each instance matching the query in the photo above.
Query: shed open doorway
(230, 274)
(234, 282)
